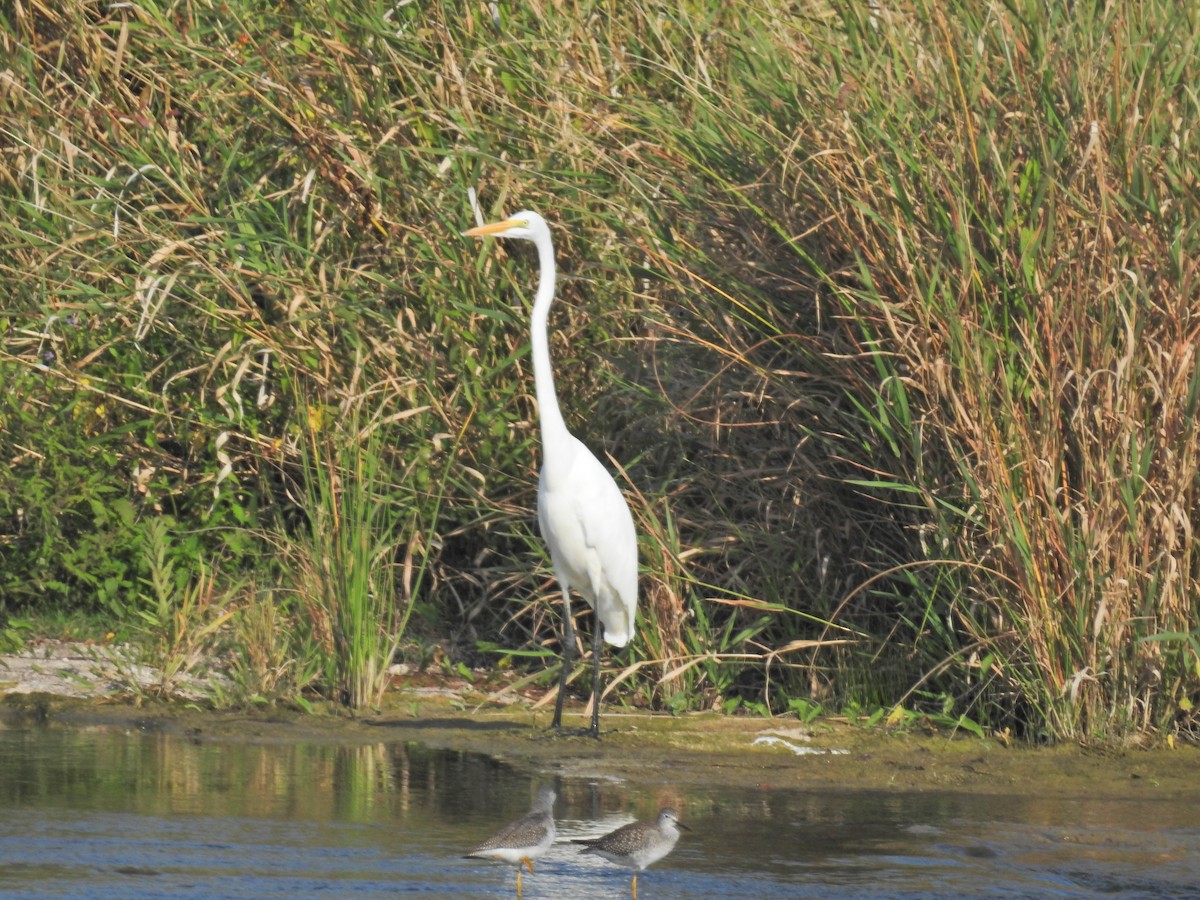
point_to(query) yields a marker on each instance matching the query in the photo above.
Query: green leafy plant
(348, 555)
(806, 711)
(180, 614)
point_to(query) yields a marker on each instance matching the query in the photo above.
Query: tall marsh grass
(889, 309)
(1022, 230)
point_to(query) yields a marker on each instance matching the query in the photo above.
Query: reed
(887, 310)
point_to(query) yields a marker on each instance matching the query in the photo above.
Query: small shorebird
(638, 844)
(524, 840)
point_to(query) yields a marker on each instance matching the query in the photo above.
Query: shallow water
(110, 812)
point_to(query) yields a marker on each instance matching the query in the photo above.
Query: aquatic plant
(890, 310)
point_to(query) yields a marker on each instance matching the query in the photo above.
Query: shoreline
(781, 753)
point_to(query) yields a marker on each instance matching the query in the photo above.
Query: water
(127, 813)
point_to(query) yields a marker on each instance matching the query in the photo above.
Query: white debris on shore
(770, 740)
(86, 670)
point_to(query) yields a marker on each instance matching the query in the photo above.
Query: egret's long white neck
(553, 427)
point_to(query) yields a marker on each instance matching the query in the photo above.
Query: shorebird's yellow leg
(634, 886)
(528, 863)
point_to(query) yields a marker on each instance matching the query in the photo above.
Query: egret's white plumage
(593, 546)
(583, 515)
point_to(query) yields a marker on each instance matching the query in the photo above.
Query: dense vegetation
(888, 311)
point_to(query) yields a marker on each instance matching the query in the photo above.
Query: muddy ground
(58, 685)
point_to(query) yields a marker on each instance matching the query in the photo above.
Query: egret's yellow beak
(493, 228)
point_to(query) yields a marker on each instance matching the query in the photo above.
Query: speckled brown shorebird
(638, 844)
(524, 840)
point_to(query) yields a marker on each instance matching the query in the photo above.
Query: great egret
(583, 516)
(638, 844)
(524, 840)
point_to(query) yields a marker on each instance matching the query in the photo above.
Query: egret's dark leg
(597, 644)
(568, 654)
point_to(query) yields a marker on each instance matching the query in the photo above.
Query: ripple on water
(116, 814)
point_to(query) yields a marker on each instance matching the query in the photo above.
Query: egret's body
(582, 514)
(638, 844)
(523, 841)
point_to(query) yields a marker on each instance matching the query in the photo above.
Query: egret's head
(527, 224)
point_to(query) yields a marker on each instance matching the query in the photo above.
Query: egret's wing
(587, 524)
(608, 528)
